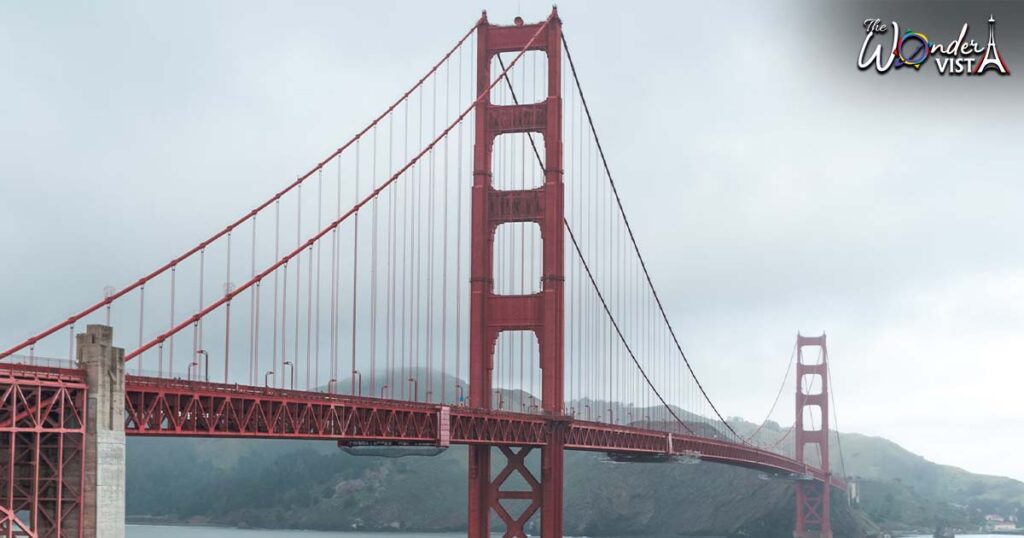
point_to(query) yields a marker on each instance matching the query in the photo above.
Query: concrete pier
(103, 495)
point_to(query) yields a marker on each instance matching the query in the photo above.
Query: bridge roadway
(174, 407)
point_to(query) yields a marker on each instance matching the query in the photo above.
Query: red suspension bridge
(461, 271)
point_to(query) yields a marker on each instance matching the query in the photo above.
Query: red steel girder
(42, 415)
(42, 435)
(185, 408)
(161, 407)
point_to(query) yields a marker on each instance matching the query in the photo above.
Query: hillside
(300, 484)
(313, 485)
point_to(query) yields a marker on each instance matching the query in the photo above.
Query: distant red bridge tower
(813, 503)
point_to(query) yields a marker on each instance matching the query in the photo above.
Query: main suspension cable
(778, 396)
(198, 249)
(835, 418)
(615, 325)
(593, 281)
(283, 261)
(632, 238)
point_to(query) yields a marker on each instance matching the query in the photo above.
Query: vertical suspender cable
(417, 210)
(277, 256)
(227, 311)
(284, 328)
(298, 287)
(332, 384)
(170, 353)
(458, 249)
(202, 281)
(309, 315)
(142, 311)
(636, 248)
(355, 272)
(835, 418)
(406, 315)
(319, 268)
(444, 248)
(256, 337)
(430, 248)
(253, 320)
(392, 203)
(373, 271)
(523, 253)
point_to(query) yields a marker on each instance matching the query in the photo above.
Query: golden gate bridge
(461, 271)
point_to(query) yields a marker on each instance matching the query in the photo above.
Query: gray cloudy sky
(774, 187)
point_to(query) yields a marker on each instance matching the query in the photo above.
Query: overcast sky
(774, 187)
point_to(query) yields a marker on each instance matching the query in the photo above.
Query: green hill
(313, 485)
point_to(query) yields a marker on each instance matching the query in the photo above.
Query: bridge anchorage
(526, 329)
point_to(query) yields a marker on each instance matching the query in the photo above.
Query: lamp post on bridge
(355, 373)
(206, 367)
(266, 376)
(332, 386)
(415, 389)
(382, 389)
(287, 364)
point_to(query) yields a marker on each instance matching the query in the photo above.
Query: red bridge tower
(541, 313)
(813, 504)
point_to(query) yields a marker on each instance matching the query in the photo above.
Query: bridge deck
(163, 407)
(180, 408)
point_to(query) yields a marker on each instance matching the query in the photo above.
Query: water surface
(168, 531)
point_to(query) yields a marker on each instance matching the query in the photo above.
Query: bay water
(169, 531)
